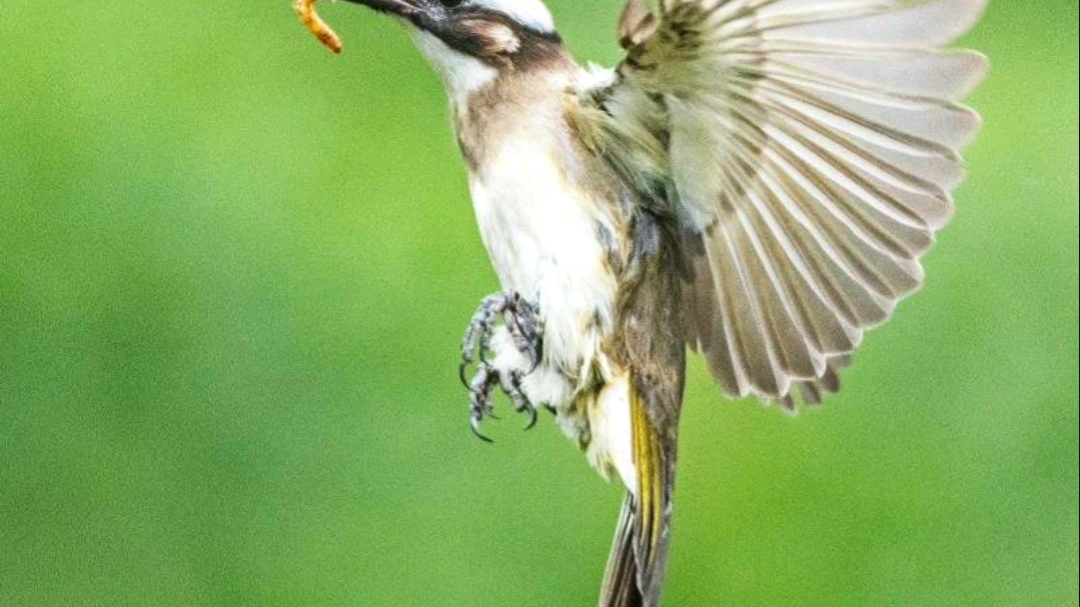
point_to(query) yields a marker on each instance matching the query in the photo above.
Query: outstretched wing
(808, 149)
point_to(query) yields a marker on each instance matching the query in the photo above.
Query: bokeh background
(234, 270)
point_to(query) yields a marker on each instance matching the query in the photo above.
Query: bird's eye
(450, 3)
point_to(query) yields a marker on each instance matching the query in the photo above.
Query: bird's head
(470, 42)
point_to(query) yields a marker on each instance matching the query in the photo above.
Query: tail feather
(620, 587)
(635, 570)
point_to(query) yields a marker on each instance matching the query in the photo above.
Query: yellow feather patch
(651, 476)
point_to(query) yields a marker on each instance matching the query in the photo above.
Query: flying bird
(756, 180)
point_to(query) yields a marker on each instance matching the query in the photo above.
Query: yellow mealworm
(311, 20)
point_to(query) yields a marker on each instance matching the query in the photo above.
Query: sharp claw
(532, 418)
(462, 368)
(474, 423)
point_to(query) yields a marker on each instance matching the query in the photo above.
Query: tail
(635, 569)
(621, 587)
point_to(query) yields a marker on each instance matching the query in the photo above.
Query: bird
(755, 181)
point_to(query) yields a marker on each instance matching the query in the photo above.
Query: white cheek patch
(530, 13)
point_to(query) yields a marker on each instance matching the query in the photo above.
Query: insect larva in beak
(315, 24)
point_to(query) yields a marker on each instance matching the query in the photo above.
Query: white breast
(541, 234)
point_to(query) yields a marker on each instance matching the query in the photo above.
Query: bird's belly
(542, 236)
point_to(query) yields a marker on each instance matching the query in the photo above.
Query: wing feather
(808, 148)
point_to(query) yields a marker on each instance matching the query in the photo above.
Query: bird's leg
(521, 320)
(510, 382)
(480, 398)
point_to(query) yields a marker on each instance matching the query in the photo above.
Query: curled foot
(522, 321)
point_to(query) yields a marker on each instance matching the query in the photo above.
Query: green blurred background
(234, 270)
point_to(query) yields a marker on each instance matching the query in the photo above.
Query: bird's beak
(424, 15)
(406, 9)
